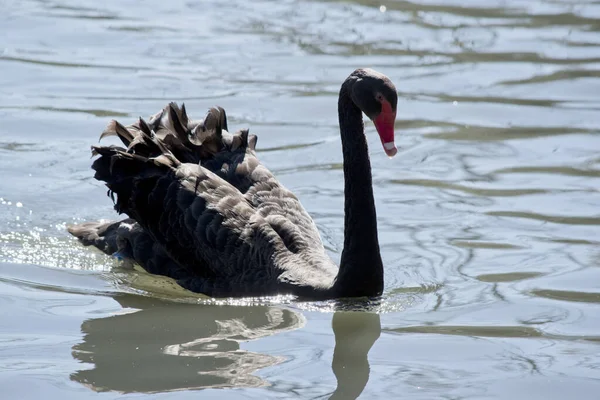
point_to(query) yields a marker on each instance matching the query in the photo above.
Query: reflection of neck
(355, 334)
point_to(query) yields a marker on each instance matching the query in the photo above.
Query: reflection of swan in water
(355, 334)
(173, 346)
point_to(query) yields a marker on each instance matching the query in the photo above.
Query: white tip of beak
(390, 149)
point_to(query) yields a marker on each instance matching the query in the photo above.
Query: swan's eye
(379, 97)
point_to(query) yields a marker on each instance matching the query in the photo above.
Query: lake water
(489, 216)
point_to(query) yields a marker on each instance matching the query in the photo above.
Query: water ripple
(488, 216)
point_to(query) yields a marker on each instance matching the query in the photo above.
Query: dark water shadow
(166, 346)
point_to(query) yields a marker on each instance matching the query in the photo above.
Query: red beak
(384, 123)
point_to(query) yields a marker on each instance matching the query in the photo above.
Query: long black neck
(361, 269)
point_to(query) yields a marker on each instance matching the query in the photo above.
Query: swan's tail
(128, 241)
(102, 235)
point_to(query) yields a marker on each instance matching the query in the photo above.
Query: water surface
(488, 216)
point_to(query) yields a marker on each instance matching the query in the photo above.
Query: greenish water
(489, 216)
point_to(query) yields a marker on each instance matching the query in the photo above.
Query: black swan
(204, 211)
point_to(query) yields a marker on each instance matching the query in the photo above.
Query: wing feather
(201, 195)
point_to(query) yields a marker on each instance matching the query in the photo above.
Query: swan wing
(203, 209)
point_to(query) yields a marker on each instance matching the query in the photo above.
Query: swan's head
(375, 94)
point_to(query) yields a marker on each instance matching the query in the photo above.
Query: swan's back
(202, 204)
